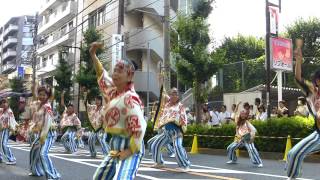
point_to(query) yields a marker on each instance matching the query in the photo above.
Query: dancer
(245, 133)
(71, 123)
(25, 118)
(169, 146)
(173, 120)
(310, 144)
(42, 124)
(79, 141)
(95, 114)
(124, 119)
(7, 124)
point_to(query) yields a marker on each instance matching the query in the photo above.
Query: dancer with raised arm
(310, 144)
(70, 124)
(44, 125)
(124, 120)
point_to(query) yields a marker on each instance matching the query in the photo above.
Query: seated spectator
(262, 115)
(251, 113)
(190, 116)
(282, 109)
(205, 114)
(257, 103)
(274, 112)
(224, 115)
(302, 109)
(215, 119)
(233, 113)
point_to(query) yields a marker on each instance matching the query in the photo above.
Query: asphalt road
(81, 167)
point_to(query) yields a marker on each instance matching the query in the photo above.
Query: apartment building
(56, 30)
(16, 44)
(140, 21)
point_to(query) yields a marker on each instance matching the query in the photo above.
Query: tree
(189, 41)
(309, 31)
(87, 75)
(235, 50)
(17, 85)
(63, 76)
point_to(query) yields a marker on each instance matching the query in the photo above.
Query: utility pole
(268, 58)
(34, 53)
(166, 42)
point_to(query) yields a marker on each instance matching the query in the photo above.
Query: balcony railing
(10, 28)
(47, 5)
(9, 41)
(8, 54)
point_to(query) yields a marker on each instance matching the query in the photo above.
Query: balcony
(59, 39)
(48, 5)
(59, 20)
(10, 54)
(8, 68)
(140, 82)
(10, 42)
(145, 5)
(10, 30)
(139, 37)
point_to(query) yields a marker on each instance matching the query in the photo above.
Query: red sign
(281, 53)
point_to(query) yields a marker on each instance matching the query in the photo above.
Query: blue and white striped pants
(167, 136)
(102, 138)
(169, 146)
(68, 140)
(4, 146)
(308, 145)
(252, 151)
(40, 163)
(113, 168)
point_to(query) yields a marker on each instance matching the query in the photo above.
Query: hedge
(296, 127)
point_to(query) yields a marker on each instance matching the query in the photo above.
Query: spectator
(205, 114)
(233, 113)
(189, 116)
(302, 109)
(257, 103)
(246, 107)
(224, 115)
(251, 113)
(215, 119)
(262, 115)
(274, 112)
(282, 109)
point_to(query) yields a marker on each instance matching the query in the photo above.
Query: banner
(281, 54)
(274, 19)
(116, 49)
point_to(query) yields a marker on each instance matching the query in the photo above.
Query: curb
(315, 158)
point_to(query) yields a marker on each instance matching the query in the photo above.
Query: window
(70, 25)
(63, 30)
(44, 62)
(27, 34)
(51, 58)
(101, 13)
(93, 20)
(108, 12)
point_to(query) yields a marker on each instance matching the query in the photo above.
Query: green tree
(232, 52)
(189, 41)
(309, 31)
(63, 76)
(87, 75)
(17, 85)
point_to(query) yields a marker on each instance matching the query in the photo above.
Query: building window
(51, 58)
(44, 62)
(108, 13)
(70, 25)
(93, 20)
(63, 30)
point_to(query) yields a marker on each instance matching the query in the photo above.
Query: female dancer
(310, 144)
(42, 123)
(71, 123)
(173, 120)
(124, 120)
(7, 124)
(245, 133)
(96, 116)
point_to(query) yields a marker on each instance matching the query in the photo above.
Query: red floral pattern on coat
(133, 125)
(113, 116)
(124, 111)
(128, 101)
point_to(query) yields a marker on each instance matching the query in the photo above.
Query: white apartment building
(55, 31)
(141, 23)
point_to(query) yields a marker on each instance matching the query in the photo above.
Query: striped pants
(166, 137)
(4, 146)
(169, 146)
(40, 163)
(113, 168)
(79, 142)
(68, 140)
(308, 145)
(102, 138)
(252, 151)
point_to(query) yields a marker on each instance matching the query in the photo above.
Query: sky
(231, 17)
(228, 18)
